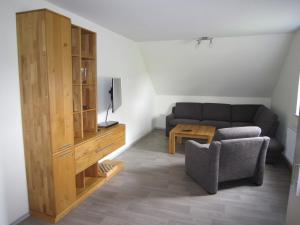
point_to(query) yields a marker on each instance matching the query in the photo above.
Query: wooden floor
(154, 190)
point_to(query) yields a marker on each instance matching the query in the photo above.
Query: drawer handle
(100, 149)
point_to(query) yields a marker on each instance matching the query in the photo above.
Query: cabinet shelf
(88, 57)
(93, 183)
(88, 110)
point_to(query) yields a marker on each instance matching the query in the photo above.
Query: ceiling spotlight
(200, 39)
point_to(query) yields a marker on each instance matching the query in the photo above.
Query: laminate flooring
(154, 190)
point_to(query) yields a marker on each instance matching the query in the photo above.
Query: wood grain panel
(64, 179)
(32, 50)
(60, 80)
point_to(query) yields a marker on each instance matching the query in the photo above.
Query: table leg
(172, 143)
(179, 140)
(209, 139)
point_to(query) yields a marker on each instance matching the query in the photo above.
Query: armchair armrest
(202, 164)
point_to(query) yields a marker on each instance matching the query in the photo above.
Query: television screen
(116, 94)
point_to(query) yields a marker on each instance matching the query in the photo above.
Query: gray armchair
(235, 153)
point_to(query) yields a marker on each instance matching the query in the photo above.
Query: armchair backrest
(242, 157)
(237, 132)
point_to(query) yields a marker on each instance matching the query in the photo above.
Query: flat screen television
(116, 94)
(116, 101)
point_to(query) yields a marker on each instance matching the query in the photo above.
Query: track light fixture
(200, 39)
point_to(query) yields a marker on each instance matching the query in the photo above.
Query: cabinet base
(82, 194)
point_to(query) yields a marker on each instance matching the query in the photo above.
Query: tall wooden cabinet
(61, 141)
(44, 44)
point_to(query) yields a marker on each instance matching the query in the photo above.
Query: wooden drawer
(83, 154)
(107, 148)
(107, 140)
(84, 149)
(91, 151)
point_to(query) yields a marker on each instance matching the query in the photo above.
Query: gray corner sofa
(226, 115)
(235, 153)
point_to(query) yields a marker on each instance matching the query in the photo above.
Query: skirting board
(19, 220)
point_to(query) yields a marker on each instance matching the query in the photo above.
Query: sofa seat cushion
(243, 113)
(215, 123)
(265, 119)
(241, 124)
(174, 122)
(188, 110)
(217, 112)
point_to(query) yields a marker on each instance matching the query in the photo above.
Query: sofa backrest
(216, 111)
(266, 120)
(188, 110)
(259, 115)
(243, 113)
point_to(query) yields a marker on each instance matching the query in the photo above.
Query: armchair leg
(258, 181)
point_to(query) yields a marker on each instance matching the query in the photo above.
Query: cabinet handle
(100, 149)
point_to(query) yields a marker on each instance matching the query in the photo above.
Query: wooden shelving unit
(84, 73)
(59, 106)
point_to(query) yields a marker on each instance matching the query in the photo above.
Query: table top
(194, 129)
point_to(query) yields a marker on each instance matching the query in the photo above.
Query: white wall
(164, 104)
(284, 97)
(246, 66)
(117, 56)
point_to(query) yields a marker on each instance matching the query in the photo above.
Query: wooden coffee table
(190, 131)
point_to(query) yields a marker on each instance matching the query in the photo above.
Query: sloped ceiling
(251, 41)
(156, 20)
(246, 66)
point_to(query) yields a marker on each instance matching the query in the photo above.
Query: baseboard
(19, 220)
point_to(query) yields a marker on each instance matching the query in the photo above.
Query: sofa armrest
(202, 164)
(169, 118)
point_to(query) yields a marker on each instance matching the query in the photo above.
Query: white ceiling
(153, 20)
(246, 66)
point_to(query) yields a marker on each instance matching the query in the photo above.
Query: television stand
(107, 124)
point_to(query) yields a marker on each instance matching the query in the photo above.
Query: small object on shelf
(84, 75)
(85, 107)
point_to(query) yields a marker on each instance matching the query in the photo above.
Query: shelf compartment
(88, 97)
(88, 71)
(91, 183)
(77, 98)
(88, 44)
(75, 41)
(89, 122)
(76, 73)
